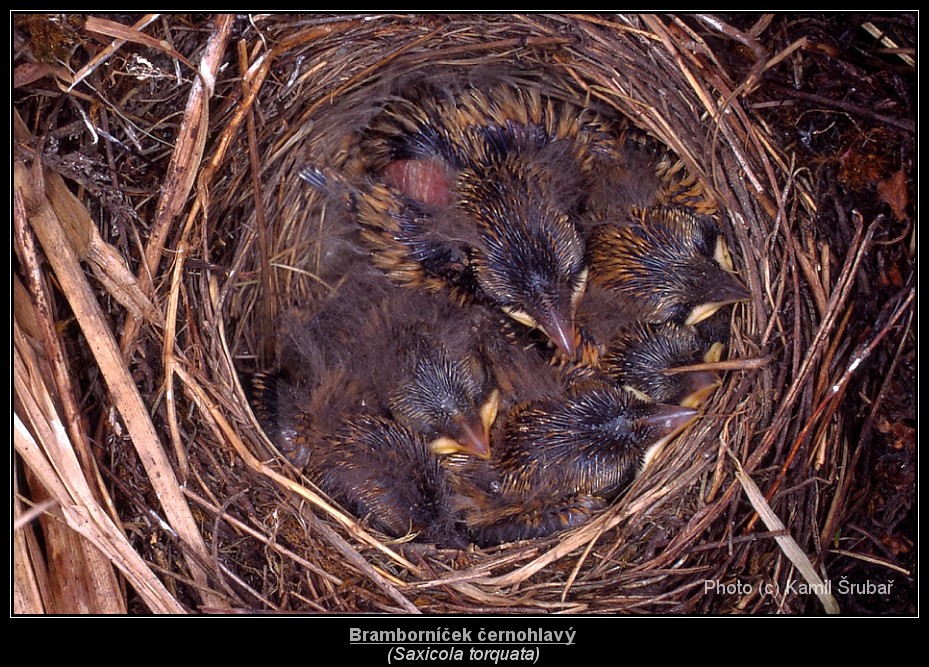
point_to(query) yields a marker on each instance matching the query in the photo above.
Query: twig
(170, 361)
(873, 560)
(740, 364)
(904, 124)
(123, 388)
(108, 51)
(359, 561)
(264, 539)
(264, 262)
(182, 170)
(862, 352)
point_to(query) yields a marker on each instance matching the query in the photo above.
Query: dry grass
(131, 430)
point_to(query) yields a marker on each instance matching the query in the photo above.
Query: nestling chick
(643, 174)
(531, 260)
(418, 245)
(559, 460)
(416, 356)
(450, 123)
(492, 519)
(442, 389)
(296, 417)
(377, 382)
(478, 189)
(386, 475)
(667, 266)
(638, 358)
(594, 442)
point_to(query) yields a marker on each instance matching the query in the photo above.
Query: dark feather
(558, 461)
(531, 259)
(386, 475)
(413, 355)
(594, 442)
(477, 190)
(664, 266)
(642, 174)
(639, 356)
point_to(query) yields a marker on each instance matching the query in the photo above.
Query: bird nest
(163, 155)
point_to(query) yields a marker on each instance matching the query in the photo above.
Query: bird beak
(489, 410)
(715, 353)
(701, 385)
(474, 439)
(730, 290)
(562, 333)
(669, 420)
(469, 441)
(559, 329)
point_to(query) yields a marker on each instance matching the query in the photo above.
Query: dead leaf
(28, 73)
(892, 192)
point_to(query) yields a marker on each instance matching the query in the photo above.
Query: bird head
(531, 261)
(672, 263)
(640, 358)
(594, 442)
(446, 398)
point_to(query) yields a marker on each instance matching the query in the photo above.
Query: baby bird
(441, 388)
(643, 174)
(531, 259)
(448, 124)
(670, 265)
(414, 356)
(376, 383)
(477, 191)
(555, 461)
(297, 417)
(638, 359)
(416, 244)
(594, 442)
(643, 356)
(387, 475)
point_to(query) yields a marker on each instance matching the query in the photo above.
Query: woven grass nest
(161, 226)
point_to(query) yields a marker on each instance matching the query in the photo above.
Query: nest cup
(252, 244)
(621, 65)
